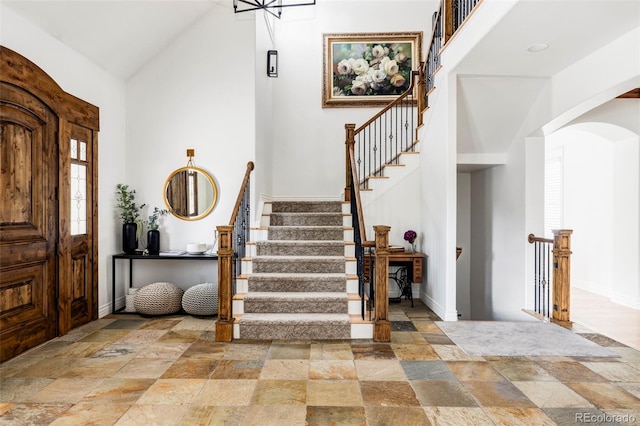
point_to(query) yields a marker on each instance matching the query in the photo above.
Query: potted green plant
(130, 215)
(153, 234)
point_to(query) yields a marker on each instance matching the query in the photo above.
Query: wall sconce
(272, 63)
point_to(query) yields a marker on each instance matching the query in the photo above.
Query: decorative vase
(413, 247)
(153, 242)
(129, 240)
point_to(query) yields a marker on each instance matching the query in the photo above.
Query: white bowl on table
(196, 248)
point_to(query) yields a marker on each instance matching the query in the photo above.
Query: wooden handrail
(533, 239)
(415, 75)
(236, 208)
(433, 35)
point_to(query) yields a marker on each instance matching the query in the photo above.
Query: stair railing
(232, 240)
(376, 281)
(387, 134)
(446, 21)
(552, 276)
(432, 63)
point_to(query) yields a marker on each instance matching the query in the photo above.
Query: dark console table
(141, 256)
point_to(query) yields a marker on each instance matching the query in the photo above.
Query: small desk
(140, 256)
(412, 260)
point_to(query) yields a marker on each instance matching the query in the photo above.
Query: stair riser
(271, 332)
(307, 219)
(306, 206)
(302, 267)
(278, 306)
(296, 234)
(275, 249)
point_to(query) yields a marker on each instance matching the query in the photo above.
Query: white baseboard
(105, 309)
(438, 309)
(624, 300)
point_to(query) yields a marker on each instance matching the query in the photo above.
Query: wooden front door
(49, 212)
(28, 222)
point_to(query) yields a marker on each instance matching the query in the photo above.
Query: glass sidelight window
(78, 177)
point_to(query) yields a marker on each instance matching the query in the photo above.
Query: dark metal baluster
(548, 280)
(535, 277)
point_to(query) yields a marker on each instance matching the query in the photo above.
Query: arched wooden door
(28, 222)
(48, 215)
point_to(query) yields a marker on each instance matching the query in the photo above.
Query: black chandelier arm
(266, 5)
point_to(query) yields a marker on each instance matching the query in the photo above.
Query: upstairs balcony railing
(449, 17)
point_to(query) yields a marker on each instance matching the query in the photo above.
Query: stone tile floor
(130, 370)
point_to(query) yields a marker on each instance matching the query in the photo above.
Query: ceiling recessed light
(538, 47)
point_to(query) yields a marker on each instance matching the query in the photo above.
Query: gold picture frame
(368, 69)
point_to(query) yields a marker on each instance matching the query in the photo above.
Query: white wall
(438, 200)
(199, 92)
(263, 175)
(587, 205)
(621, 129)
(303, 132)
(626, 231)
(82, 78)
(601, 169)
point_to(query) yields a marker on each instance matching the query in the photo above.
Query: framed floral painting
(368, 69)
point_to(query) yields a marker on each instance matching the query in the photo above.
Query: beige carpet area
(503, 338)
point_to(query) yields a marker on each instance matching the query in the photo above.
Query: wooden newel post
(447, 29)
(349, 141)
(224, 325)
(561, 275)
(382, 326)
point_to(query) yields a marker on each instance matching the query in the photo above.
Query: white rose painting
(369, 68)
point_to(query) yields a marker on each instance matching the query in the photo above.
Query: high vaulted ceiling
(119, 36)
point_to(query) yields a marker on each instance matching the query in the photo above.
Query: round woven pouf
(158, 299)
(201, 299)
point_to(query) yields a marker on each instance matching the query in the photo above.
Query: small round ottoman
(201, 299)
(158, 299)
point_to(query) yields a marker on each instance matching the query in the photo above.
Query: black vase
(129, 240)
(153, 241)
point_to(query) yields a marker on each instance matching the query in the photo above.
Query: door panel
(77, 298)
(28, 222)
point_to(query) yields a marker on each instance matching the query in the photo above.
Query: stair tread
(308, 213)
(312, 318)
(309, 226)
(297, 276)
(306, 295)
(289, 257)
(300, 242)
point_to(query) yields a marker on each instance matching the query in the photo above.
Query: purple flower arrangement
(410, 236)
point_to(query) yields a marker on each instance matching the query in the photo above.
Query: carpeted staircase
(300, 279)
